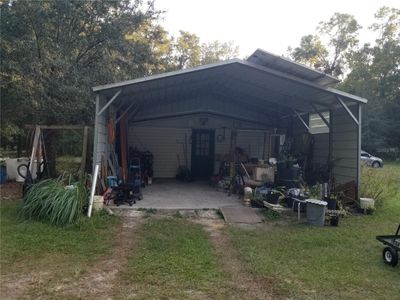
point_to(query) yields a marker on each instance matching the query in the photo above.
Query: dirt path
(97, 281)
(100, 279)
(249, 285)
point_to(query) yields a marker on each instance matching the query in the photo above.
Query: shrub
(55, 201)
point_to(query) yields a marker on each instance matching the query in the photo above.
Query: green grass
(32, 245)
(381, 184)
(329, 262)
(175, 260)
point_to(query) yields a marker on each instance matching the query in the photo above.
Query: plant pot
(331, 204)
(334, 221)
(272, 197)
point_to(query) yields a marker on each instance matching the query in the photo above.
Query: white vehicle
(370, 160)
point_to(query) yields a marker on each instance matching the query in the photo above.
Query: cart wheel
(390, 256)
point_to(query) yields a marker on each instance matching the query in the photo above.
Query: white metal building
(254, 100)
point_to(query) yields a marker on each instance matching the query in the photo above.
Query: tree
(187, 50)
(375, 75)
(341, 32)
(54, 51)
(217, 51)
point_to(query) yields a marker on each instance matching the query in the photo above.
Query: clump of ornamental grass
(57, 201)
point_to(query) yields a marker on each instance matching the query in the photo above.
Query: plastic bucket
(98, 203)
(272, 197)
(316, 212)
(112, 181)
(3, 174)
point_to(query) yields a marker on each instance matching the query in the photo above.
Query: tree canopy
(370, 71)
(54, 51)
(341, 32)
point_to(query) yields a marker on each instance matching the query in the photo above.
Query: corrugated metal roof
(285, 65)
(235, 87)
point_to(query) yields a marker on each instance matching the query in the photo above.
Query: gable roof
(235, 87)
(285, 65)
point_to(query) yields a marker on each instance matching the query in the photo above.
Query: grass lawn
(166, 257)
(343, 262)
(175, 260)
(35, 246)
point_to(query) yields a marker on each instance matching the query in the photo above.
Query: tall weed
(58, 201)
(380, 184)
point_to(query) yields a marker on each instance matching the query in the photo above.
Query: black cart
(391, 251)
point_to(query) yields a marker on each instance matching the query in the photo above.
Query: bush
(55, 202)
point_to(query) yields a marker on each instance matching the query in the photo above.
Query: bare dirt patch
(11, 191)
(100, 279)
(248, 285)
(91, 281)
(15, 286)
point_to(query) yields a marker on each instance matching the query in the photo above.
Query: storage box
(266, 174)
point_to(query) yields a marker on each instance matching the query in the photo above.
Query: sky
(269, 25)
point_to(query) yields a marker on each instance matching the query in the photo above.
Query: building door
(203, 144)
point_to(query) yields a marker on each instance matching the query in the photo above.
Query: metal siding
(165, 144)
(221, 148)
(164, 139)
(251, 142)
(321, 148)
(345, 143)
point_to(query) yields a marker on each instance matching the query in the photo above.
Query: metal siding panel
(345, 140)
(251, 142)
(165, 144)
(321, 148)
(221, 148)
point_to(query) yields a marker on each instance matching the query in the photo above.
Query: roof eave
(270, 71)
(120, 84)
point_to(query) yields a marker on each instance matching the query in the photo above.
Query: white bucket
(316, 212)
(98, 203)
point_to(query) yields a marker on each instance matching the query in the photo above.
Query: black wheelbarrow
(391, 251)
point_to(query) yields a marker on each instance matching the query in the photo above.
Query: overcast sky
(269, 25)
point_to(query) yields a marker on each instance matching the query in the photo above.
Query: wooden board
(240, 214)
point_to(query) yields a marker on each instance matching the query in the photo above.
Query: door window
(202, 144)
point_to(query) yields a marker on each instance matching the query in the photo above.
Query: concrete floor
(172, 194)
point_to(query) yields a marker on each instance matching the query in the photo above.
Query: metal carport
(264, 92)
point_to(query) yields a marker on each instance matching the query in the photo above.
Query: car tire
(390, 256)
(376, 164)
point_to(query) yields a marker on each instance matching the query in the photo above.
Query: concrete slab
(241, 214)
(172, 194)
